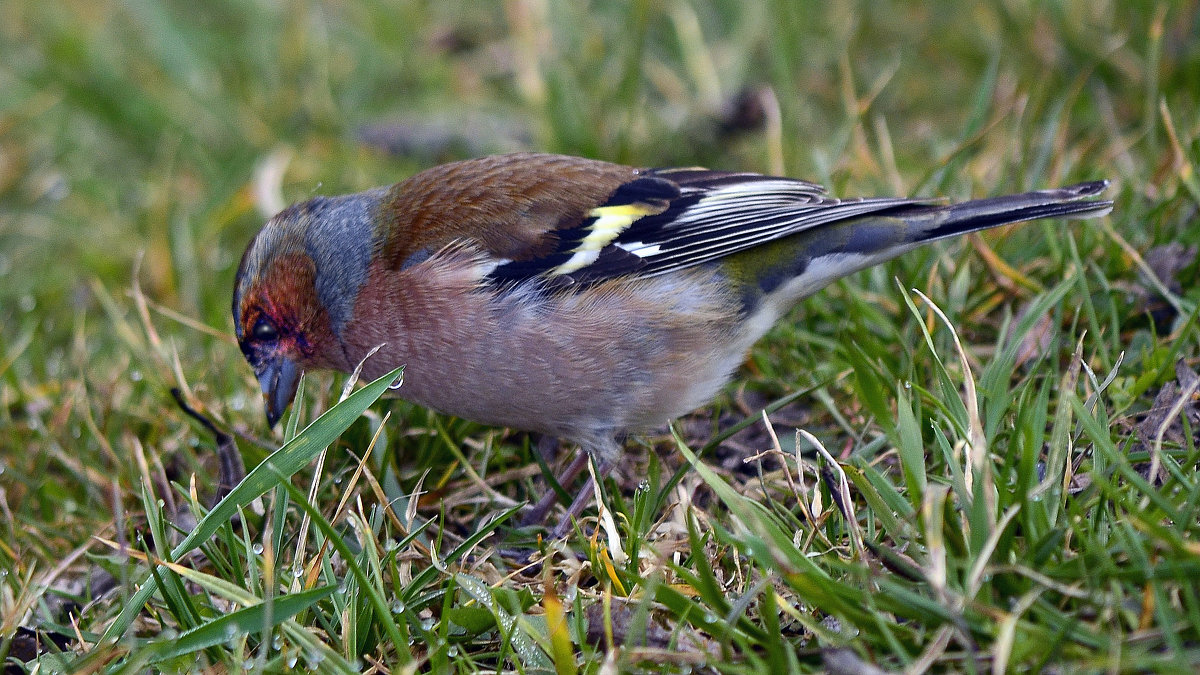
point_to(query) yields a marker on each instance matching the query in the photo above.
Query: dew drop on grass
(398, 607)
(257, 548)
(27, 303)
(907, 384)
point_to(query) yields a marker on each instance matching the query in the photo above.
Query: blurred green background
(144, 142)
(135, 126)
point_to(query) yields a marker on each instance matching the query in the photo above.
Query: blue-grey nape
(340, 240)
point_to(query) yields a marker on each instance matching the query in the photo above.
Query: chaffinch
(568, 296)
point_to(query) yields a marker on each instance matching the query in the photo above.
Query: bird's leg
(537, 513)
(603, 466)
(605, 451)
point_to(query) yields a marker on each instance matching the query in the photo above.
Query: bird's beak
(279, 378)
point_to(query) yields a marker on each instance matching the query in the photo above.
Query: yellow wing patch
(608, 223)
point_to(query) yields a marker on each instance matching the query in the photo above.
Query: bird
(572, 297)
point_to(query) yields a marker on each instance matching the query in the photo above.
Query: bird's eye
(264, 330)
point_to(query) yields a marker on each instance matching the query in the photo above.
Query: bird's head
(295, 290)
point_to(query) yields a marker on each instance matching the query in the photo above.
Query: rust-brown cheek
(286, 295)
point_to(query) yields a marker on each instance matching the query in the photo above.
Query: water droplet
(291, 661)
(298, 572)
(27, 303)
(397, 383)
(452, 651)
(277, 641)
(643, 486)
(907, 384)
(248, 665)
(398, 607)
(257, 548)
(135, 375)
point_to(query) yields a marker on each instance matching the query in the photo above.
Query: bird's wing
(669, 219)
(509, 207)
(570, 220)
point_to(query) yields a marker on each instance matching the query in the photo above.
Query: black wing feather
(692, 216)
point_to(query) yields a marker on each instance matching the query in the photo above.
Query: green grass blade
(293, 456)
(245, 621)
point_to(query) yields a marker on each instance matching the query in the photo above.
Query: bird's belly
(599, 361)
(606, 404)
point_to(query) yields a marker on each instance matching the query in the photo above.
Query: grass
(952, 478)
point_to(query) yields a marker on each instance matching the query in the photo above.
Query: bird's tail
(980, 214)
